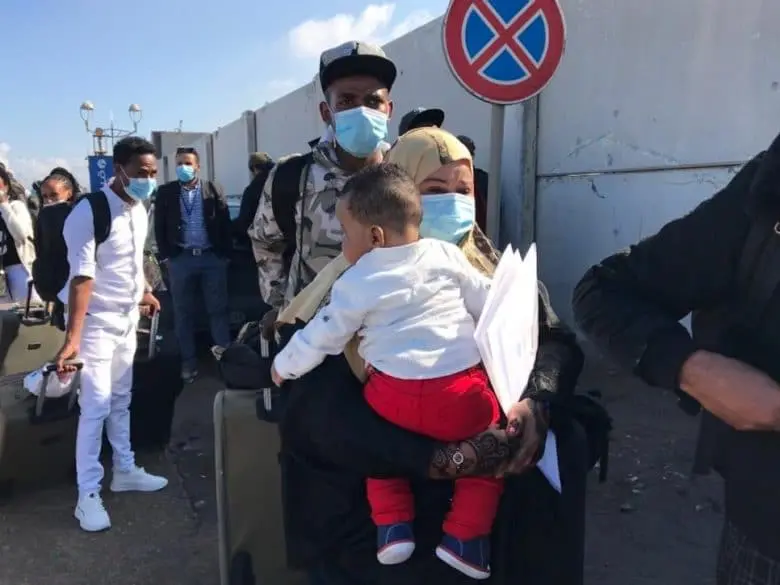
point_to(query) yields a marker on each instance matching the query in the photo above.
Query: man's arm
(630, 305)
(250, 200)
(161, 223)
(222, 211)
(268, 245)
(735, 392)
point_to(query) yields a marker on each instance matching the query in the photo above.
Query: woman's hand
(486, 455)
(527, 423)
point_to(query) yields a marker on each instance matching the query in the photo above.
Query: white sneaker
(137, 480)
(91, 513)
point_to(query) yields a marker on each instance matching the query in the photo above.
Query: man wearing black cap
(421, 118)
(295, 232)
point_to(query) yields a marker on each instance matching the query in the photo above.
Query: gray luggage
(252, 549)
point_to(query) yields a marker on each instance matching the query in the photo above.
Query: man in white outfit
(102, 298)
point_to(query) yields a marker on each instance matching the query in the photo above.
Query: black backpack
(285, 192)
(51, 269)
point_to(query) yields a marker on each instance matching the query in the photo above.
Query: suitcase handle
(154, 326)
(48, 370)
(47, 309)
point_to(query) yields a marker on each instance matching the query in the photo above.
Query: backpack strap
(287, 187)
(101, 216)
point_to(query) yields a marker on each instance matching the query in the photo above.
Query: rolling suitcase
(157, 383)
(37, 434)
(27, 339)
(252, 547)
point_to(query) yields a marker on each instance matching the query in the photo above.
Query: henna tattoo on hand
(482, 455)
(490, 452)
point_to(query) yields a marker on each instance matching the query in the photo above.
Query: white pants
(108, 349)
(18, 279)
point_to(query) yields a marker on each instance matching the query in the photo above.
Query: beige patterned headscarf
(421, 152)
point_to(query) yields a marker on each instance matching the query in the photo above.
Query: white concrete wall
(202, 145)
(231, 156)
(645, 91)
(647, 86)
(286, 125)
(166, 144)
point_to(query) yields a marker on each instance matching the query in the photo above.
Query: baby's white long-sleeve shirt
(414, 307)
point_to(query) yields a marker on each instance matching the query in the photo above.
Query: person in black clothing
(260, 164)
(332, 440)
(721, 262)
(58, 193)
(480, 185)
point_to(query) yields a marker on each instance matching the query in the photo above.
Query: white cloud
(27, 169)
(375, 24)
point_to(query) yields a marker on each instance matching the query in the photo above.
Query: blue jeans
(185, 271)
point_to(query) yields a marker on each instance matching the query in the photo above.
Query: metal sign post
(503, 52)
(497, 115)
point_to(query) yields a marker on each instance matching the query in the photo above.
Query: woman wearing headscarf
(17, 251)
(332, 440)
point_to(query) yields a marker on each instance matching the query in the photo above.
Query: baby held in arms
(414, 304)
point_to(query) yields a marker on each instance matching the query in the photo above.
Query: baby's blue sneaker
(395, 543)
(470, 557)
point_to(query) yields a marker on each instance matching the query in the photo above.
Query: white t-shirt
(119, 270)
(414, 308)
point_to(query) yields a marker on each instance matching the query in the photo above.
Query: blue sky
(199, 61)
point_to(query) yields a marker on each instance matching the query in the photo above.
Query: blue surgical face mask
(360, 131)
(447, 216)
(139, 189)
(185, 173)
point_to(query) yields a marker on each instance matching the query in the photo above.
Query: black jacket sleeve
(250, 201)
(630, 305)
(161, 223)
(222, 213)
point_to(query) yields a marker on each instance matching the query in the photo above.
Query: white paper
(507, 336)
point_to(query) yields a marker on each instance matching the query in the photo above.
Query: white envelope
(507, 336)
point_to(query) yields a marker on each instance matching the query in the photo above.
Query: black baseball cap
(356, 58)
(420, 117)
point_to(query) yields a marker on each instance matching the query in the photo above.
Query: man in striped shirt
(193, 234)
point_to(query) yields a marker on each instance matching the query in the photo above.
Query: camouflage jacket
(318, 232)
